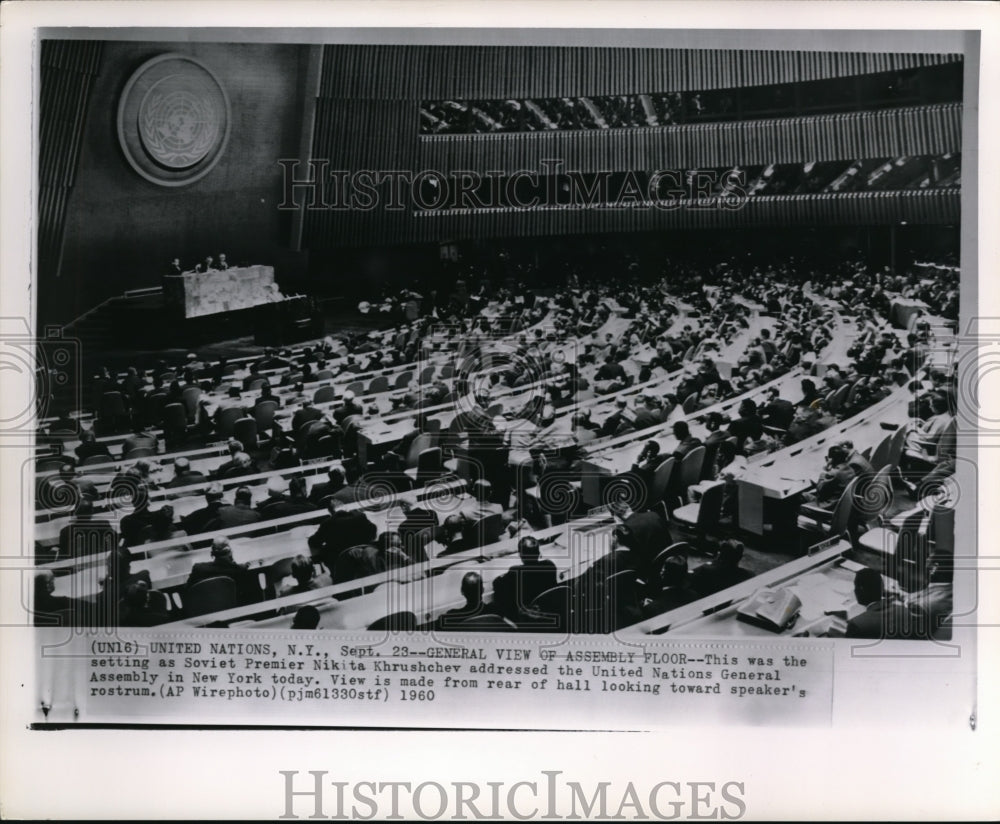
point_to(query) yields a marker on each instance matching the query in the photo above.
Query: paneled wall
(438, 72)
(68, 69)
(368, 118)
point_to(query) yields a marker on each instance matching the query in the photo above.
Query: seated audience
(222, 564)
(722, 572)
(305, 577)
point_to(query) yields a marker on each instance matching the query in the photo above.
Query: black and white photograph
(499, 378)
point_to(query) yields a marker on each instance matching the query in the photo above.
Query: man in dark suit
(222, 563)
(85, 535)
(647, 414)
(64, 487)
(348, 407)
(685, 440)
(363, 560)
(278, 504)
(455, 534)
(135, 609)
(199, 520)
(275, 499)
(615, 420)
(236, 514)
(810, 394)
(339, 531)
(242, 464)
(235, 447)
(184, 475)
(723, 572)
(418, 520)
(777, 412)
(472, 592)
(884, 617)
(675, 591)
(612, 370)
(514, 591)
(335, 483)
(747, 425)
(306, 413)
(834, 479)
(140, 439)
(89, 447)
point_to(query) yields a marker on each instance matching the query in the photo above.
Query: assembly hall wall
(121, 231)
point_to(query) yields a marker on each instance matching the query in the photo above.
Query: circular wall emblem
(173, 120)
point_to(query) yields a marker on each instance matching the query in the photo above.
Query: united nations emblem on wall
(173, 120)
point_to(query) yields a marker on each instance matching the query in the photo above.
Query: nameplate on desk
(829, 543)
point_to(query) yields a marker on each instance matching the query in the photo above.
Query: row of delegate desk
(383, 433)
(440, 352)
(821, 581)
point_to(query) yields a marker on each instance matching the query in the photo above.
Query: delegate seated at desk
(472, 592)
(832, 482)
(222, 564)
(514, 591)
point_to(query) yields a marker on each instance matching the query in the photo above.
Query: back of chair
(710, 508)
(245, 431)
(447, 371)
(708, 462)
(139, 452)
(690, 403)
(896, 446)
(48, 463)
(324, 375)
(158, 601)
(226, 420)
(324, 394)
(112, 405)
(661, 480)
(395, 622)
(488, 528)
(947, 440)
(841, 517)
(422, 442)
(690, 471)
(358, 388)
(679, 548)
(909, 561)
(404, 379)
(621, 598)
(873, 494)
(835, 400)
(430, 464)
(486, 622)
(175, 419)
(210, 595)
(263, 413)
(426, 374)
(880, 455)
(190, 397)
(432, 426)
(93, 460)
(552, 608)
(379, 384)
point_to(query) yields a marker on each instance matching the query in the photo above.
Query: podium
(198, 294)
